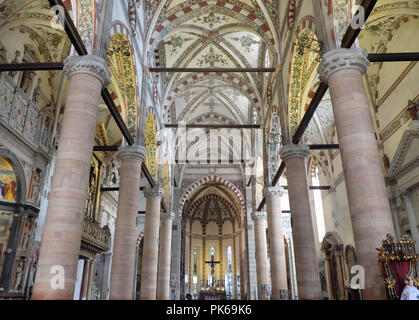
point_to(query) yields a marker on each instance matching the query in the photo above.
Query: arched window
(229, 273)
(195, 270)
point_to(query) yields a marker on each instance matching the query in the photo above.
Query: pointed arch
(207, 179)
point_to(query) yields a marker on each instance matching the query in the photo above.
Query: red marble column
(60, 246)
(259, 221)
(308, 281)
(163, 272)
(125, 243)
(151, 244)
(370, 211)
(276, 241)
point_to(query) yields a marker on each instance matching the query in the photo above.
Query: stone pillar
(163, 274)
(308, 281)
(293, 277)
(411, 216)
(276, 241)
(176, 251)
(329, 280)
(339, 265)
(259, 220)
(151, 244)
(187, 254)
(60, 246)
(394, 200)
(242, 257)
(91, 279)
(85, 280)
(106, 275)
(395, 214)
(125, 243)
(371, 216)
(249, 243)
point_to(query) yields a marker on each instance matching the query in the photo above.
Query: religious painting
(304, 63)
(274, 146)
(8, 181)
(121, 64)
(6, 220)
(151, 145)
(166, 182)
(259, 180)
(342, 17)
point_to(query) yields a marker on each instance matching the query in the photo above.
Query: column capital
(257, 215)
(167, 215)
(294, 151)
(90, 64)
(134, 151)
(273, 192)
(342, 59)
(153, 192)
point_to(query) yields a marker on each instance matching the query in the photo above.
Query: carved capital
(294, 151)
(135, 151)
(257, 215)
(167, 215)
(92, 65)
(273, 192)
(341, 59)
(153, 192)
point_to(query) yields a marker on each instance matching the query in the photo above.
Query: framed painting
(8, 181)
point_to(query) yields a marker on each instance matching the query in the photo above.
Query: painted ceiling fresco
(213, 34)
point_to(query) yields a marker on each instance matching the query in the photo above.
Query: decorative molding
(398, 121)
(132, 152)
(294, 151)
(95, 239)
(92, 65)
(257, 215)
(342, 59)
(208, 179)
(273, 192)
(239, 10)
(15, 142)
(154, 192)
(398, 168)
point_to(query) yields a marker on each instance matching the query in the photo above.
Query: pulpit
(399, 263)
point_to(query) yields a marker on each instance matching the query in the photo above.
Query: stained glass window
(229, 273)
(195, 261)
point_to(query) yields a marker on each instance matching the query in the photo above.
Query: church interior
(209, 149)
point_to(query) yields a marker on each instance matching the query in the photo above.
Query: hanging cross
(212, 264)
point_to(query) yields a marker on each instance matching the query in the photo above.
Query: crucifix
(212, 264)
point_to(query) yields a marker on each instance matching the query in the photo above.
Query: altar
(212, 295)
(214, 292)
